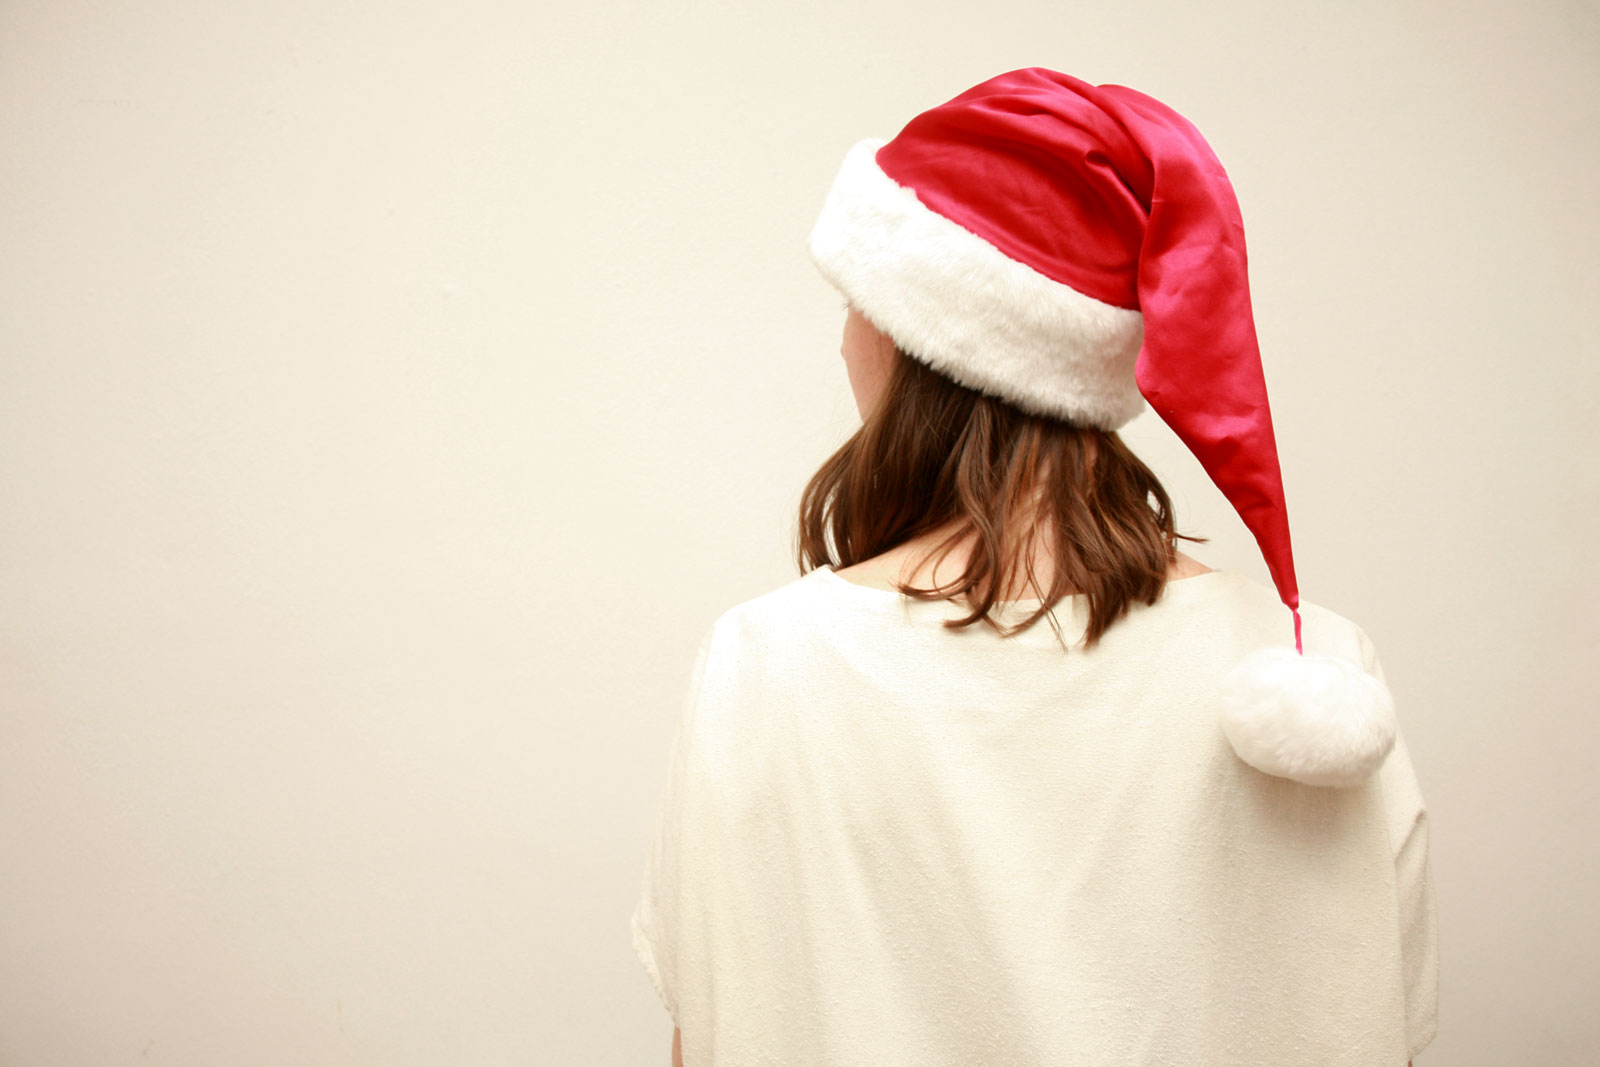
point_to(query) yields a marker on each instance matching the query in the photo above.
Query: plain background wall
(392, 394)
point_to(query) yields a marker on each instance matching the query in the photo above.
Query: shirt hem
(1427, 1038)
(642, 948)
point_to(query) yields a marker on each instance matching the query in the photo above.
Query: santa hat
(1077, 250)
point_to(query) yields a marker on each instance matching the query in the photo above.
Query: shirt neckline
(1025, 606)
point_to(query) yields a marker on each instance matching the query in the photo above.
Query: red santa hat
(1077, 250)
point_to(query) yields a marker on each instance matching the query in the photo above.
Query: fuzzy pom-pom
(1312, 718)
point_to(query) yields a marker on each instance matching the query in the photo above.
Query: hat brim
(957, 303)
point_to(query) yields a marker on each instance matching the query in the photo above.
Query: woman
(903, 823)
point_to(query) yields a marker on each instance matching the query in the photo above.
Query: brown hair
(934, 452)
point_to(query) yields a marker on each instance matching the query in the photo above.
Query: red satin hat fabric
(1114, 194)
(1054, 183)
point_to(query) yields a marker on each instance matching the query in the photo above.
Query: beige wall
(390, 395)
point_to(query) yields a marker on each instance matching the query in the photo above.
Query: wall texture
(391, 394)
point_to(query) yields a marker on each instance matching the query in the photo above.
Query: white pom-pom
(1312, 718)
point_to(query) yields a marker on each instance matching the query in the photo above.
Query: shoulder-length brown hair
(934, 452)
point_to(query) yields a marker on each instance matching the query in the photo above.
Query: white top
(885, 844)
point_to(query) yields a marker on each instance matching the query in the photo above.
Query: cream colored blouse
(885, 844)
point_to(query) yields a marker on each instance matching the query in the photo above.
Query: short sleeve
(1417, 916)
(657, 916)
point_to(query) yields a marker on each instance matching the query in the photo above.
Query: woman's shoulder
(776, 607)
(1263, 618)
